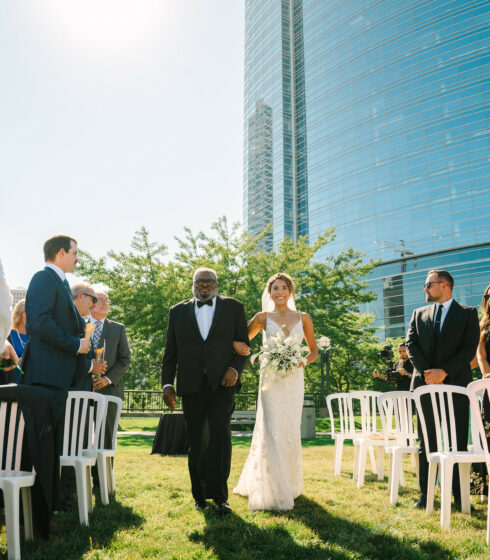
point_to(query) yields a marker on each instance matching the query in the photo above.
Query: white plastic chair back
(369, 410)
(84, 415)
(11, 436)
(442, 400)
(397, 409)
(340, 409)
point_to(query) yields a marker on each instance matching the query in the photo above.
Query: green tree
(143, 287)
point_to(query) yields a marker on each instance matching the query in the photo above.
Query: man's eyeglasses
(206, 282)
(94, 299)
(428, 285)
(104, 301)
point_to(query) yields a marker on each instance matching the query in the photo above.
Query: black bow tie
(207, 302)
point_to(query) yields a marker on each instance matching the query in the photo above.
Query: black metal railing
(139, 401)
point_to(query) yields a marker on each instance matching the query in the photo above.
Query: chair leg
(390, 469)
(88, 476)
(355, 467)
(102, 470)
(363, 447)
(431, 486)
(464, 484)
(81, 477)
(11, 501)
(446, 483)
(380, 452)
(395, 475)
(111, 479)
(339, 446)
(27, 510)
(417, 469)
(402, 474)
(373, 460)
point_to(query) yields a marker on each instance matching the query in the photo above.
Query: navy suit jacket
(54, 328)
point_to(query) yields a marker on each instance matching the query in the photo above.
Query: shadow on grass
(141, 441)
(233, 538)
(71, 541)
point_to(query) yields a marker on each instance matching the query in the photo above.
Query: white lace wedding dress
(272, 476)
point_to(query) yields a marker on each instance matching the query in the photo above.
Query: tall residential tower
(373, 116)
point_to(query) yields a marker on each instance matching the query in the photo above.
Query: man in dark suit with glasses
(441, 342)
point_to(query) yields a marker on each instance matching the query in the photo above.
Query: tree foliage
(144, 283)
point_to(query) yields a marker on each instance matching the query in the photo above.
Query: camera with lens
(387, 355)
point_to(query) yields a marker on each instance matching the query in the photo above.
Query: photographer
(401, 372)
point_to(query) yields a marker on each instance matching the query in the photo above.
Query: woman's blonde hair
(280, 276)
(19, 308)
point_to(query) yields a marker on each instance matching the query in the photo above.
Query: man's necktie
(97, 333)
(207, 302)
(67, 286)
(437, 322)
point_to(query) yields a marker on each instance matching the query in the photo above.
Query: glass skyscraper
(373, 117)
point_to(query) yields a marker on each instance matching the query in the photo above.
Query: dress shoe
(223, 508)
(421, 503)
(201, 505)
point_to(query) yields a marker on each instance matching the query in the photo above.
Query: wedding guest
(18, 336)
(441, 342)
(55, 329)
(84, 298)
(8, 375)
(483, 355)
(111, 336)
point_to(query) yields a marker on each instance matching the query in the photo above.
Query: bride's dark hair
(280, 276)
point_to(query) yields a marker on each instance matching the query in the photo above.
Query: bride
(272, 476)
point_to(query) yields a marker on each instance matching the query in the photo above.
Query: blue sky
(116, 115)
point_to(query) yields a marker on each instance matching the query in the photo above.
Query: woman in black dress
(483, 355)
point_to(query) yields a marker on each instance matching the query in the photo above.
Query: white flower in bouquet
(280, 357)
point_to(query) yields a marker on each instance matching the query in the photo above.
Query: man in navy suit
(54, 326)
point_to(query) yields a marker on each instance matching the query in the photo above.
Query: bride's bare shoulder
(260, 318)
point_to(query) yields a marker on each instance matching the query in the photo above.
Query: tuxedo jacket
(54, 328)
(452, 351)
(190, 357)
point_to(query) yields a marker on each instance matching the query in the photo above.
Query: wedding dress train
(272, 476)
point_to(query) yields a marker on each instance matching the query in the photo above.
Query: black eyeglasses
(94, 299)
(202, 282)
(428, 285)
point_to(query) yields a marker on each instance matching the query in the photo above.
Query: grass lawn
(153, 516)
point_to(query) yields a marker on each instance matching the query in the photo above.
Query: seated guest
(7, 375)
(84, 298)
(18, 336)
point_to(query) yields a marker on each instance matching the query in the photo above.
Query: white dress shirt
(445, 308)
(5, 314)
(57, 269)
(204, 317)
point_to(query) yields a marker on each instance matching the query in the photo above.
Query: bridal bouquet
(280, 357)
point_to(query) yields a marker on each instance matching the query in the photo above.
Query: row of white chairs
(83, 447)
(386, 424)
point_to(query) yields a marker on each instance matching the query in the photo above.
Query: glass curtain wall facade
(380, 127)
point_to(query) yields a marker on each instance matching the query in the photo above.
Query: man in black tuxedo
(441, 342)
(55, 328)
(199, 350)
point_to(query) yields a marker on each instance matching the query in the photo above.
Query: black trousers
(461, 417)
(207, 415)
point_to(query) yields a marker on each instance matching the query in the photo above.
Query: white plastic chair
(83, 421)
(370, 438)
(344, 414)
(397, 409)
(443, 415)
(476, 392)
(105, 467)
(12, 479)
